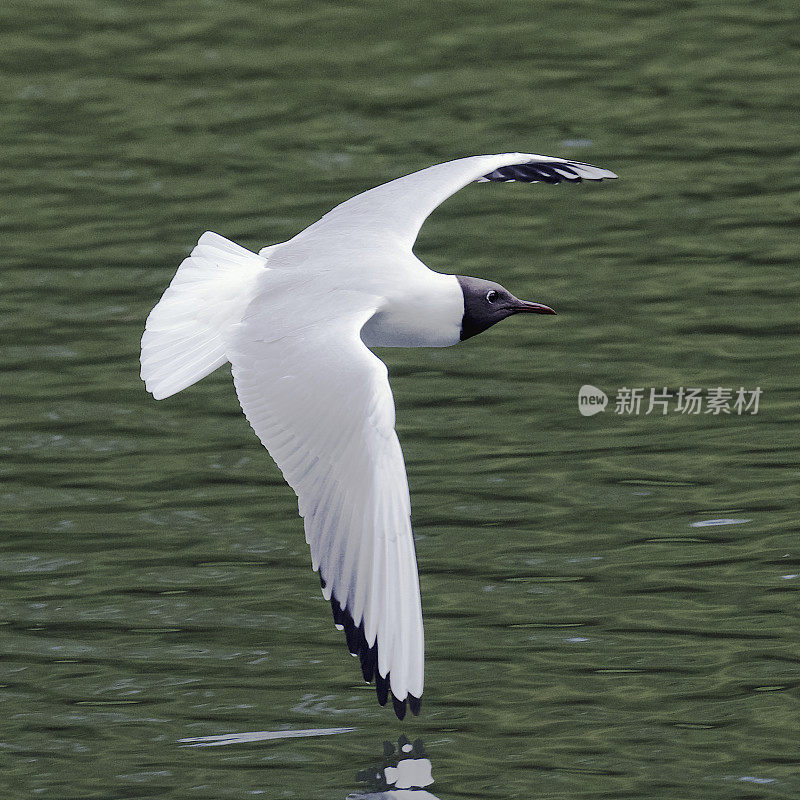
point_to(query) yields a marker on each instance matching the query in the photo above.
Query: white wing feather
(320, 402)
(394, 212)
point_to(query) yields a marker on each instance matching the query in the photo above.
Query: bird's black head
(486, 303)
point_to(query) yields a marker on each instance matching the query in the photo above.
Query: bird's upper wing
(394, 212)
(321, 403)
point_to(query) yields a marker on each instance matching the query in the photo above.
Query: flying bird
(296, 322)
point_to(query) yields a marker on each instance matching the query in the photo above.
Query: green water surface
(584, 637)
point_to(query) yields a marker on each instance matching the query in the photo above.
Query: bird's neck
(424, 310)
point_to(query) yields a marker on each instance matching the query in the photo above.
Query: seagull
(297, 322)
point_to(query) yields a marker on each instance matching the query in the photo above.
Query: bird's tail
(185, 334)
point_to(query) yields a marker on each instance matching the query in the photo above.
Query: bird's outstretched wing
(394, 212)
(321, 403)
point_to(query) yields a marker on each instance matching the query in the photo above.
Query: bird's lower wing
(394, 212)
(320, 402)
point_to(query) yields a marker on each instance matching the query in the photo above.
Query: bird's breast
(424, 312)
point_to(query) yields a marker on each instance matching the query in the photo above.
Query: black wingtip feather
(354, 637)
(399, 707)
(369, 663)
(368, 656)
(338, 613)
(382, 687)
(546, 172)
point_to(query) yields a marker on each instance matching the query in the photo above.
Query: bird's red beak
(532, 308)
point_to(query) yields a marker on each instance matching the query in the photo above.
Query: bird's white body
(424, 310)
(296, 321)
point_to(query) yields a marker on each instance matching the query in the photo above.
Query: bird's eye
(491, 296)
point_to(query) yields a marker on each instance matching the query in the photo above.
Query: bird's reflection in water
(404, 774)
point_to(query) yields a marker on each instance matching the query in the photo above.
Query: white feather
(184, 338)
